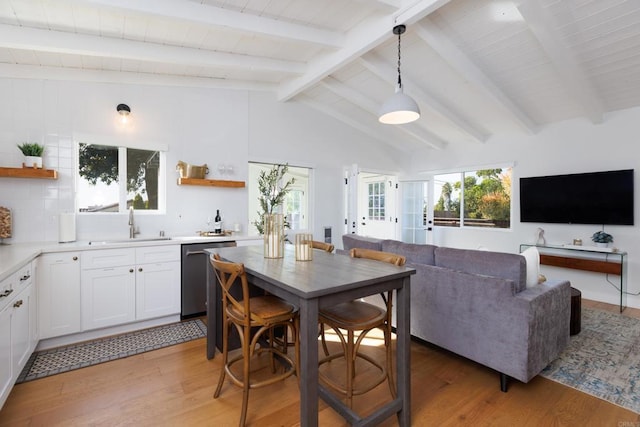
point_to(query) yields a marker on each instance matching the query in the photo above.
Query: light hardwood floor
(174, 387)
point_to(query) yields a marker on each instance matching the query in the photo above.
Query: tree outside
(486, 199)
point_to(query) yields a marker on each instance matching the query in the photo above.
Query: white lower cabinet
(124, 285)
(58, 294)
(108, 296)
(18, 332)
(157, 289)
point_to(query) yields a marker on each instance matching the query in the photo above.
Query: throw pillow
(532, 257)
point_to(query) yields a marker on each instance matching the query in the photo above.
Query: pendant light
(400, 108)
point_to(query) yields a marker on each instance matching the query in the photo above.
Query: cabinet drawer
(7, 289)
(107, 258)
(152, 254)
(24, 277)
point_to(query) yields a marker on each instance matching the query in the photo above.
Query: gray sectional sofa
(477, 304)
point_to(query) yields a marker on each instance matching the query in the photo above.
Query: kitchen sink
(134, 240)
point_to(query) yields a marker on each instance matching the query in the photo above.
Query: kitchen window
(112, 179)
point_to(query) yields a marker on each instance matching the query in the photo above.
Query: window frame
(461, 219)
(122, 148)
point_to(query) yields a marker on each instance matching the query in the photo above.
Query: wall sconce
(124, 111)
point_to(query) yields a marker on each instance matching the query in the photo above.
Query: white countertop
(15, 255)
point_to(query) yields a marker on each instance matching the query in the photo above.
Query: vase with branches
(273, 191)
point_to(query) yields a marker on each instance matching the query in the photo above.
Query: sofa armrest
(549, 309)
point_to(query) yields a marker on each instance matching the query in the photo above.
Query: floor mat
(62, 359)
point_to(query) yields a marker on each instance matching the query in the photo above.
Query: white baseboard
(48, 343)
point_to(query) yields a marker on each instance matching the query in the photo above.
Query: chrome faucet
(132, 226)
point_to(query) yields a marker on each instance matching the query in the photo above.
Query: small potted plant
(32, 154)
(600, 238)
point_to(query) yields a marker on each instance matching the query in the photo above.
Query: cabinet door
(20, 330)
(157, 289)
(108, 296)
(58, 278)
(6, 372)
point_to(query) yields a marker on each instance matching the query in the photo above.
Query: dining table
(324, 281)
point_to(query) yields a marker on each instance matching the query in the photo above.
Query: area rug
(603, 360)
(62, 359)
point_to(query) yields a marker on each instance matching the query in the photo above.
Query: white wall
(569, 147)
(198, 125)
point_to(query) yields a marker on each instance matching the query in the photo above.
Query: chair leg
(225, 357)
(350, 358)
(324, 341)
(388, 345)
(247, 351)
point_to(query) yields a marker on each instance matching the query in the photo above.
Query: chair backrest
(230, 274)
(389, 257)
(328, 247)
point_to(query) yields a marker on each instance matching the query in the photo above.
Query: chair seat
(357, 315)
(267, 307)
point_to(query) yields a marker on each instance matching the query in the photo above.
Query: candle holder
(304, 248)
(274, 236)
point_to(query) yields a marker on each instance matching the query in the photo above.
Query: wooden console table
(586, 258)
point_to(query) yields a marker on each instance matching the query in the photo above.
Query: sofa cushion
(414, 253)
(496, 264)
(350, 241)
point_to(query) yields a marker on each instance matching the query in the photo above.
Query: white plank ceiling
(476, 67)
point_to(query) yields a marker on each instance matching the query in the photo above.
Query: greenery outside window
(484, 196)
(112, 179)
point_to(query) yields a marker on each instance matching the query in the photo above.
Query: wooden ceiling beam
(573, 76)
(210, 15)
(429, 32)
(366, 36)
(15, 37)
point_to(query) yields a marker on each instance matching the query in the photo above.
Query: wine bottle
(217, 223)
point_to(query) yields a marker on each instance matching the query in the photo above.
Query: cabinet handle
(75, 258)
(140, 269)
(17, 303)
(25, 277)
(131, 270)
(6, 293)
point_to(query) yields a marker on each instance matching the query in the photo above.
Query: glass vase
(274, 236)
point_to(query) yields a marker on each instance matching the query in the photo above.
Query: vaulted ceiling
(475, 67)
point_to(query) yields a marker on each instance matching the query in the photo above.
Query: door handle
(195, 253)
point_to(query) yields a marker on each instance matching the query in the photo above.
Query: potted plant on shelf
(600, 238)
(32, 154)
(270, 222)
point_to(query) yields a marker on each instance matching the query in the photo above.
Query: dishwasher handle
(195, 253)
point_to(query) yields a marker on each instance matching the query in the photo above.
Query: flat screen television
(584, 198)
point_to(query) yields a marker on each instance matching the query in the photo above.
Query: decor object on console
(400, 108)
(477, 304)
(539, 237)
(600, 238)
(32, 154)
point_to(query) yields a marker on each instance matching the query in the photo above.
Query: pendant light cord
(399, 78)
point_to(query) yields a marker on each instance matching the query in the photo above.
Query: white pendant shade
(399, 109)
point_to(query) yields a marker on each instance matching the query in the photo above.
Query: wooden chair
(328, 247)
(362, 317)
(261, 313)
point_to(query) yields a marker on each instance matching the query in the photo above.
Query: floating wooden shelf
(28, 173)
(211, 182)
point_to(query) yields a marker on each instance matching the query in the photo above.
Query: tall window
(480, 198)
(111, 179)
(376, 203)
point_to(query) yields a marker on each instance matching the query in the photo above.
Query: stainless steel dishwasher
(194, 277)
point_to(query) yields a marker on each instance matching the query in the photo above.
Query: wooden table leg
(308, 371)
